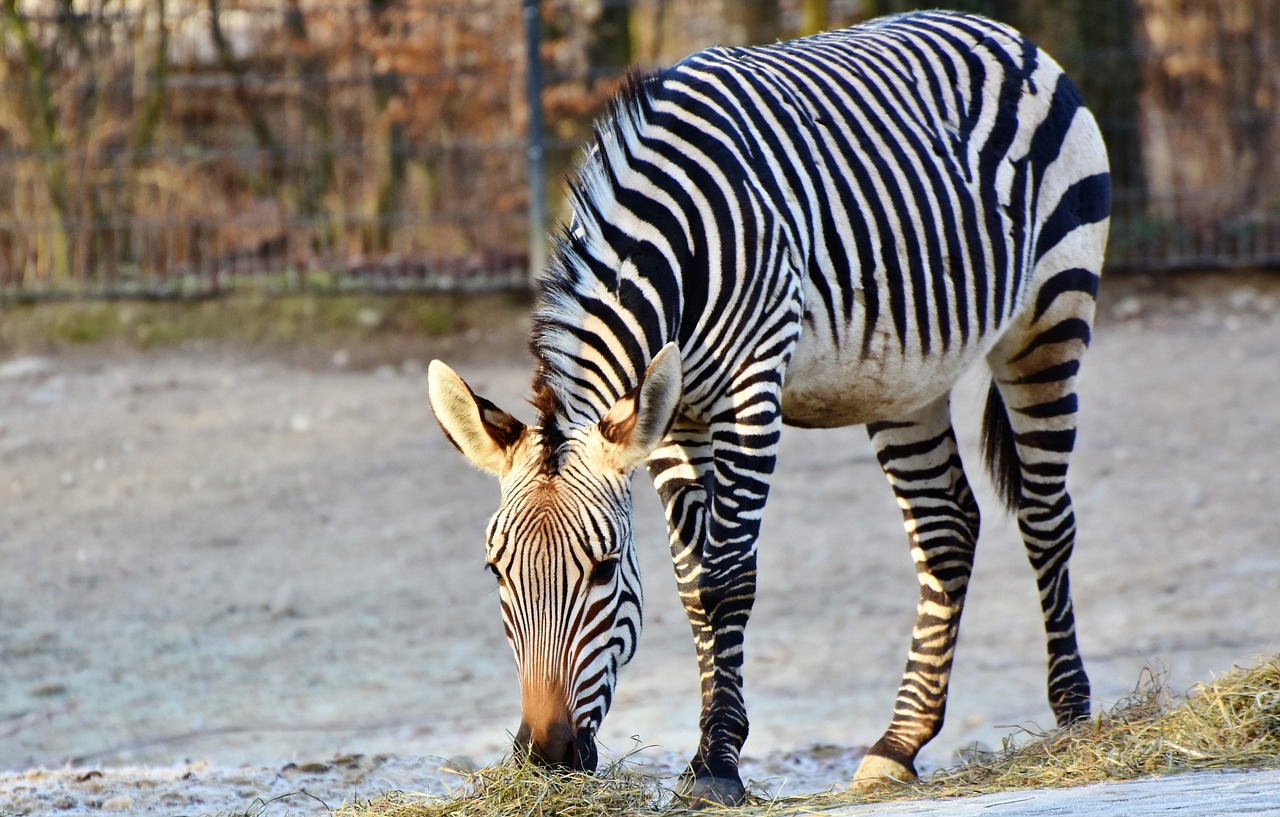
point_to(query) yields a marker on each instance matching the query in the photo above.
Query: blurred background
(190, 147)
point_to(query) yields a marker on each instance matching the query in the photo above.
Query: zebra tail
(999, 451)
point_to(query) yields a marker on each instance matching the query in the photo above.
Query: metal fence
(194, 146)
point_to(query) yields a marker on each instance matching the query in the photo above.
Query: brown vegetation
(1232, 722)
(181, 144)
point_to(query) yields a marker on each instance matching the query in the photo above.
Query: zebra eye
(603, 572)
(492, 568)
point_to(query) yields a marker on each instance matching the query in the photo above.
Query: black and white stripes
(822, 232)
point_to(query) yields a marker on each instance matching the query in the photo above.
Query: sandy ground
(227, 575)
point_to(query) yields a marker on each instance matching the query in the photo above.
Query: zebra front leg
(683, 474)
(718, 606)
(921, 460)
(713, 484)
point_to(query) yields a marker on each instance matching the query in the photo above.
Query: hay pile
(520, 788)
(1232, 722)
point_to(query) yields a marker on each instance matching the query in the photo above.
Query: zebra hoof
(710, 792)
(877, 773)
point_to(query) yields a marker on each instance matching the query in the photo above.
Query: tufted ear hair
(636, 424)
(479, 429)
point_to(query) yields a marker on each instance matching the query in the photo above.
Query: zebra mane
(577, 381)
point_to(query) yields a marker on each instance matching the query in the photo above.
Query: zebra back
(900, 180)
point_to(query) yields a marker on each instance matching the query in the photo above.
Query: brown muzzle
(547, 734)
(558, 746)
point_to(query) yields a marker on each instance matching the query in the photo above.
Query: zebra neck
(582, 373)
(613, 293)
(598, 321)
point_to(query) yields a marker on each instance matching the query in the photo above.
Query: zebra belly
(827, 386)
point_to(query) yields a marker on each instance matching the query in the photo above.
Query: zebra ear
(479, 429)
(636, 424)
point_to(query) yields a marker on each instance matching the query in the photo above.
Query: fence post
(535, 150)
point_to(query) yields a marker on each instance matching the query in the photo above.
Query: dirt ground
(228, 573)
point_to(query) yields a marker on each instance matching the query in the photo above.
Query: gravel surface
(232, 567)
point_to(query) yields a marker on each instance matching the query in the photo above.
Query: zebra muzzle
(558, 746)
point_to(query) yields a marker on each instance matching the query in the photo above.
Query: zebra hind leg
(1029, 431)
(920, 457)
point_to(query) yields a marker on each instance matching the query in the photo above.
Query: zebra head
(561, 547)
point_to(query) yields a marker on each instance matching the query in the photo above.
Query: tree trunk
(46, 141)
(1104, 64)
(251, 112)
(610, 43)
(813, 17)
(149, 92)
(1210, 89)
(312, 177)
(751, 22)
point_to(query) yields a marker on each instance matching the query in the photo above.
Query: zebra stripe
(822, 232)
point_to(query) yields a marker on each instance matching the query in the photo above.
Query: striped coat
(821, 233)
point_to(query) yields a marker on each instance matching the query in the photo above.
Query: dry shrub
(1229, 723)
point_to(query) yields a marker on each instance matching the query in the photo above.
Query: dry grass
(519, 788)
(312, 320)
(1229, 723)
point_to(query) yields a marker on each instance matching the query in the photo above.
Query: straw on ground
(1231, 722)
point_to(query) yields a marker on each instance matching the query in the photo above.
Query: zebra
(821, 232)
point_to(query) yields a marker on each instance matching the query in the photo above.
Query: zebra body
(824, 232)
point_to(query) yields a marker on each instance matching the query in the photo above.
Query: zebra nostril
(558, 747)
